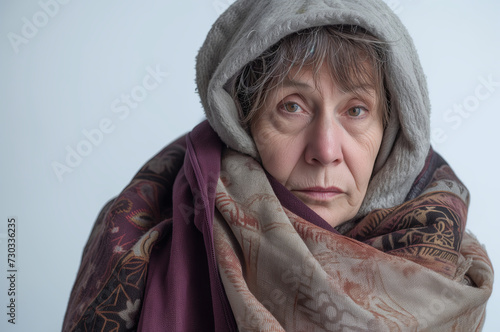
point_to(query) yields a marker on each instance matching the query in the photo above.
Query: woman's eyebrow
(361, 90)
(357, 89)
(291, 83)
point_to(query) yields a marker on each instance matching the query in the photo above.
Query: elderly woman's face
(320, 143)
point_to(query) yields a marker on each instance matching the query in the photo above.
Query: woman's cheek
(277, 150)
(267, 132)
(368, 141)
(361, 157)
(271, 145)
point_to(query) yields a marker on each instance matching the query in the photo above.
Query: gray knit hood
(248, 27)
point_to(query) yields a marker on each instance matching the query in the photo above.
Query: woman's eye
(356, 111)
(291, 107)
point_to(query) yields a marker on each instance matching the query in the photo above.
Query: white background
(65, 77)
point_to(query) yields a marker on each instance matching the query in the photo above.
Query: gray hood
(249, 27)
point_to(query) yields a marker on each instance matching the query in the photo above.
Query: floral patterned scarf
(203, 239)
(408, 268)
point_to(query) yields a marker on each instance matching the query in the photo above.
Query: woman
(309, 200)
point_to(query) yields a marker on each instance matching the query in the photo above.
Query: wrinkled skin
(320, 142)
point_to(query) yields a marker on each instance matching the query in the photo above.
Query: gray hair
(354, 58)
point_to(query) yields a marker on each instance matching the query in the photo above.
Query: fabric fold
(214, 243)
(404, 268)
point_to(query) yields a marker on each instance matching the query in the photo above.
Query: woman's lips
(319, 193)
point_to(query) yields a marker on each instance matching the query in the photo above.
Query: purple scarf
(150, 261)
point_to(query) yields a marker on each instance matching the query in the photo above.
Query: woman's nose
(324, 143)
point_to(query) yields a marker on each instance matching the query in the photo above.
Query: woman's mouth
(318, 193)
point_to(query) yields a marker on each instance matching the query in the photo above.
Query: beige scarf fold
(283, 273)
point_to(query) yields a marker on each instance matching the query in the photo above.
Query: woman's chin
(334, 214)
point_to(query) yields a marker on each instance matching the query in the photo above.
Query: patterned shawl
(204, 239)
(408, 268)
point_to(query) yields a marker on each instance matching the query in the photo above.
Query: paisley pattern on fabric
(412, 265)
(110, 284)
(118, 304)
(427, 230)
(404, 268)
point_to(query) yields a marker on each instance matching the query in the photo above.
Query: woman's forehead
(312, 78)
